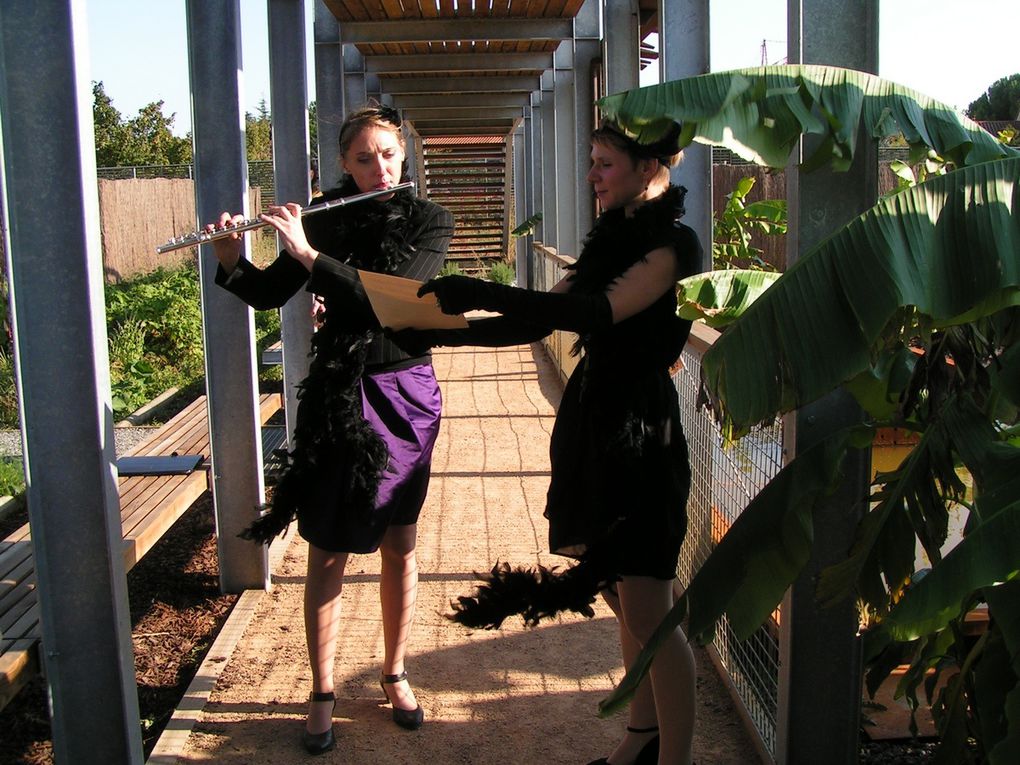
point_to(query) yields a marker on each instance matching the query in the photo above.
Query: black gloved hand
(456, 294)
(493, 332)
(570, 311)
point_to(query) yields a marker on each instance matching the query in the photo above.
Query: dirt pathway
(514, 695)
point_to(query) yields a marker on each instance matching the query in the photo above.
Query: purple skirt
(403, 407)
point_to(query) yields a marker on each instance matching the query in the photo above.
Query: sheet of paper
(397, 305)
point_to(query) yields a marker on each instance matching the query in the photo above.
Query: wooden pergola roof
(494, 51)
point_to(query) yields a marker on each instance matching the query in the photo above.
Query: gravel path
(126, 439)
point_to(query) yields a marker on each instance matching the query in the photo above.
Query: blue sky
(948, 50)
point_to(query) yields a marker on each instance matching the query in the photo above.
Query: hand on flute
(286, 219)
(228, 248)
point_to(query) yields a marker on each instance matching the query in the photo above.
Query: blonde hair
(373, 115)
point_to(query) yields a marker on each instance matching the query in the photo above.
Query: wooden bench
(149, 506)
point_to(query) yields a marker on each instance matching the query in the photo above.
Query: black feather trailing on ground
(534, 593)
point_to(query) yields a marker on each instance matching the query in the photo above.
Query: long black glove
(559, 310)
(493, 332)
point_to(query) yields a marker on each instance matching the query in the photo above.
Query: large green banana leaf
(947, 248)
(761, 113)
(720, 297)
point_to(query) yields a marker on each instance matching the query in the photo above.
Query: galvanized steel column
(587, 51)
(684, 52)
(526, 272)
(288, 93)
(55, 271)
(564, 83)
(549, 162)
(820, 683)
(228, 326)
(329, 103)
(520, 244)
(354, 85)
(621, 56)
(538, 179)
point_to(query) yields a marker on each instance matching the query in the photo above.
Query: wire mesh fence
(724, 478)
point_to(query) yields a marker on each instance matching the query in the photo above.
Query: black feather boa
(331, 436)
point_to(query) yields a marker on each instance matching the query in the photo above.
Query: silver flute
(201, 237)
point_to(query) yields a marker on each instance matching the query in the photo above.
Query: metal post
(354, 85)
(537, 179)
(329, 105)
(684, 52)
(568, 239)
(228, 326)
(54, 264)
(520, 198)
(550, 164)
(587, 50)
(820, 680)
(289, 98)
(621, 56)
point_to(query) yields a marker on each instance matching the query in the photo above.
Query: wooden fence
(136, 215)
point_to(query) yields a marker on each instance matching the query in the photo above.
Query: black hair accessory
(662, 149)
(390, 114)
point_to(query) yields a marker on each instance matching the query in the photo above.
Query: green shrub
(501, 273)
(9, 414)
(154, 333)
(12, 476)
(450, 268)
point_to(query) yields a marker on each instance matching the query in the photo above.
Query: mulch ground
(176, 611)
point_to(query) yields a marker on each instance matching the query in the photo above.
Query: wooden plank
(19, 663)
(150, 505)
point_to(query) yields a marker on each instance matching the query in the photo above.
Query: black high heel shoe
(319, 743)
(649, 754)
(411, 719)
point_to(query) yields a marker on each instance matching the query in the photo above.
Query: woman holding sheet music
(369, 411)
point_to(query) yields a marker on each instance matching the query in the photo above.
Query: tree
(144, 140)
(259, 133)
(110, 132)
(1000, 102)
(932, 345)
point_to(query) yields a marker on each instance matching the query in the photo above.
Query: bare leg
(398, 590)
(642, 706)
(644, 603)
(322, 625)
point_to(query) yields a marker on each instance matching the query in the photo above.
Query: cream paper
(397, 305)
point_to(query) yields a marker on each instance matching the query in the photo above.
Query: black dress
(332, 480)
(620, 469)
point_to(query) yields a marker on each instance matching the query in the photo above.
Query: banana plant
(912, 307)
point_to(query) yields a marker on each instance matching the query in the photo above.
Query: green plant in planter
(738, 221)
(501, 272)
(915, 303)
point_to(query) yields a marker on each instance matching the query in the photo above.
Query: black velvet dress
(620, 468)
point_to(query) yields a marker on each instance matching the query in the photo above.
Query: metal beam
(228, 326)
(469, 113)
(459, 100)
(397, 85)
(819, 647)
(684, 43)
(467, 63)
(440, 130)
(453, 30)
(329, 105)
(288, 95)
(474, 125)
(55, 271)
(621, 46)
